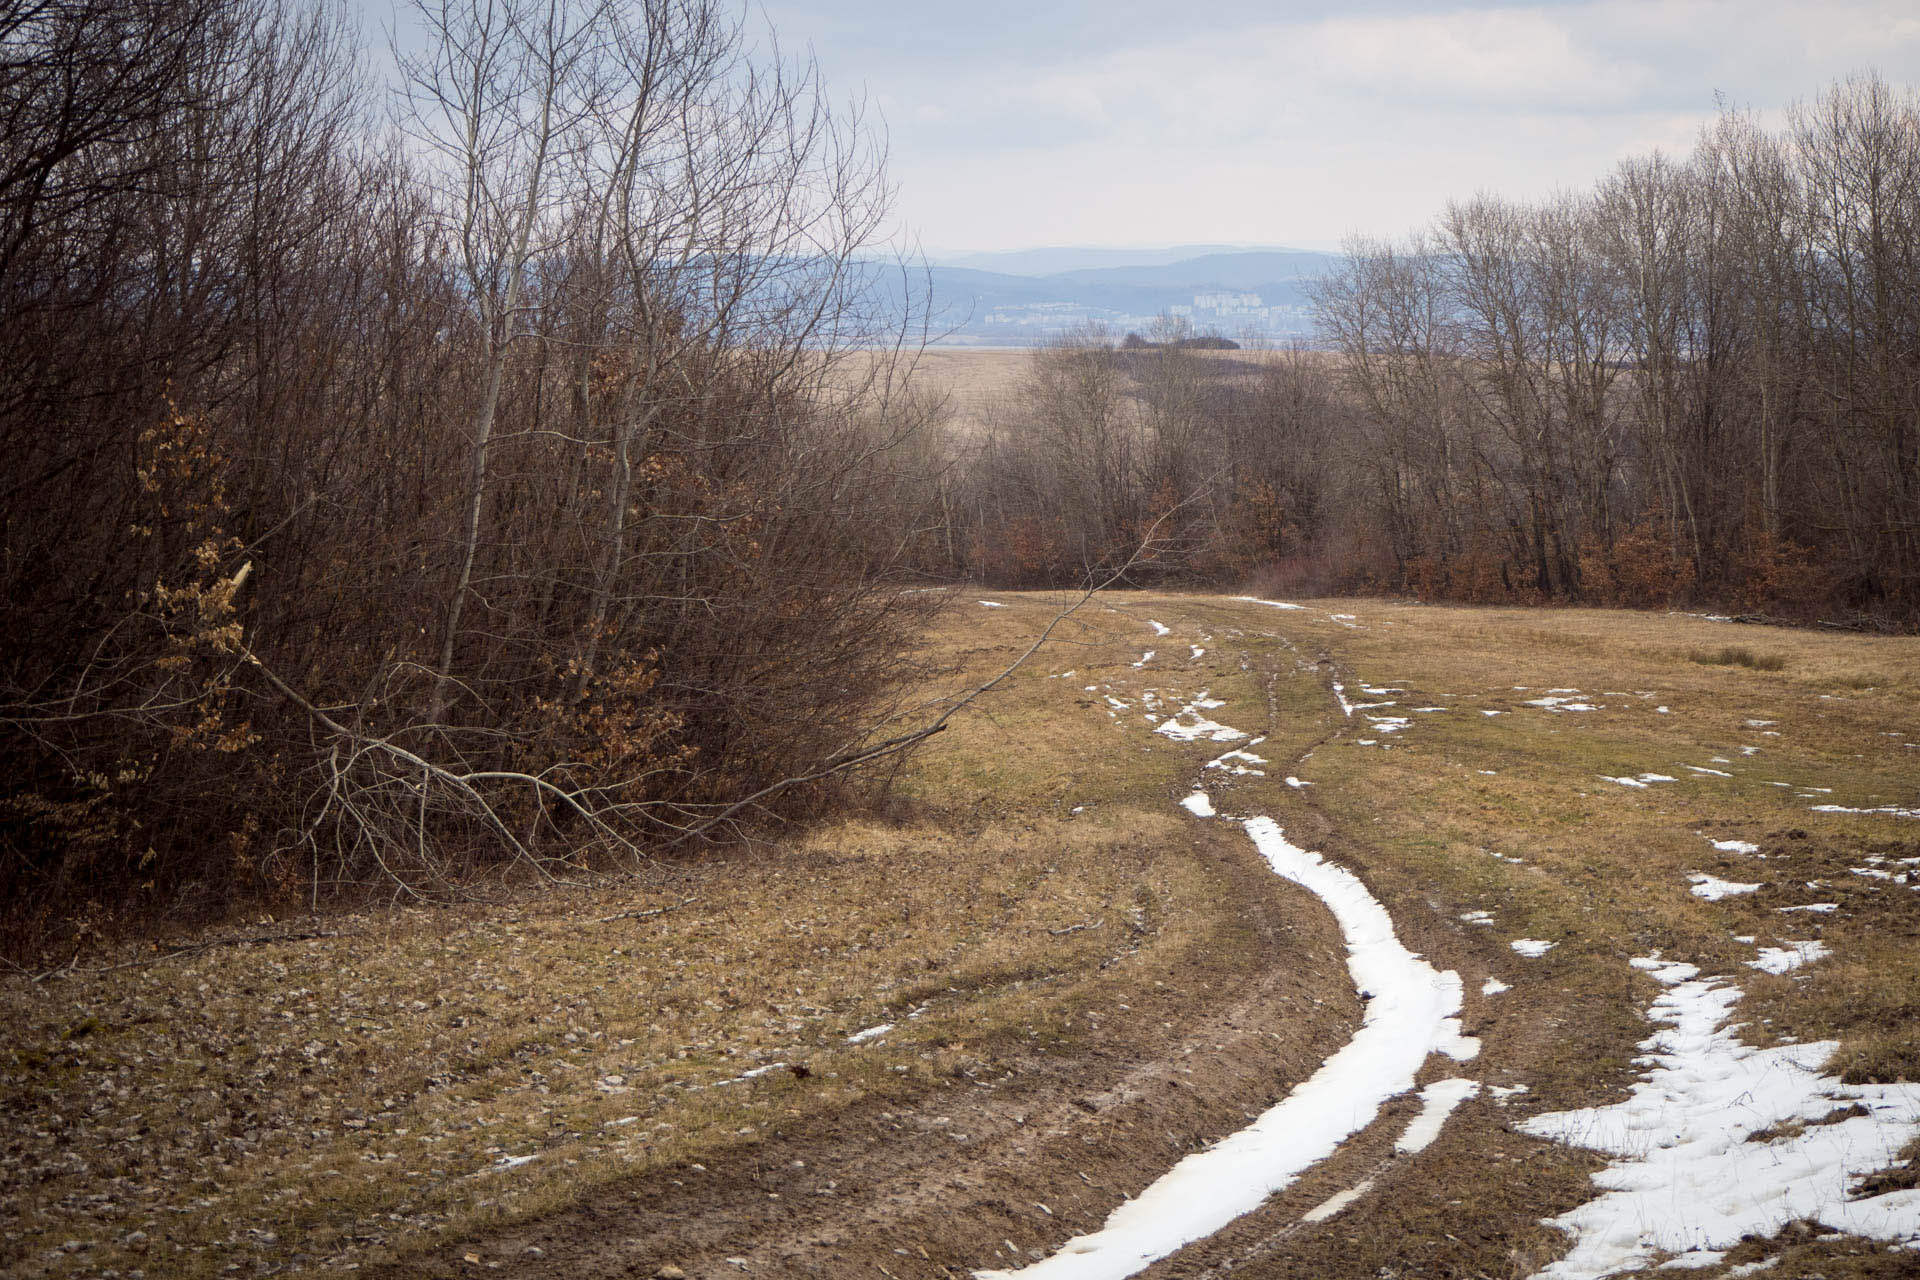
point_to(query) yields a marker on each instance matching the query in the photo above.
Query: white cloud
(1299, 131)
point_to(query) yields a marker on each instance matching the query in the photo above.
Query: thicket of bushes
(384, 507)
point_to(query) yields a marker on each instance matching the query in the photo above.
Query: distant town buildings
(1243, 312)
(1229, 313)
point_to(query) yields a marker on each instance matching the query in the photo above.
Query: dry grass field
(955, 1036)
(979, 382)
(983, 384)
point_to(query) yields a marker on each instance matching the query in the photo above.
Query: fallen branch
(248, 940)
(647, 914)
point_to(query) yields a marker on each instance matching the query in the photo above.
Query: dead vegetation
(586, 1082)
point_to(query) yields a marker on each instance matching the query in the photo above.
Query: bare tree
(499, 96)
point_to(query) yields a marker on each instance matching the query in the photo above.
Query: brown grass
(358, 1096)
(353, 1098)
(1738, 656)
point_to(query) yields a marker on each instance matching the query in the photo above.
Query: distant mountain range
(1017, 299)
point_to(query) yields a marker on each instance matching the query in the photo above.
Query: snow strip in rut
(1414, 1012)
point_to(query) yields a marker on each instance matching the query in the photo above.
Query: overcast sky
(1018, 123)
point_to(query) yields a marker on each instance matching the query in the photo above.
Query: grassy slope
(347, 1097)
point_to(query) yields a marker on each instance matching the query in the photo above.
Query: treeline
(1160, 462)
(1697, 382)
(386, 501)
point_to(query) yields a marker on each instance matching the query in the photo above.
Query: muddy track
(995, 1171)
(956, 1178)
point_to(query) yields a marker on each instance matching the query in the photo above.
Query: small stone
(670, 1272)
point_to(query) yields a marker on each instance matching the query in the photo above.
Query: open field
(1079, 982)
(977, 380)
(983, 384)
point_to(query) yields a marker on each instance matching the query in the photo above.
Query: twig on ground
(246, 940)
(647, 914)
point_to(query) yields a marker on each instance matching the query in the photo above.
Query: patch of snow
(991, 604)
(1696, 1260)
(871, 1033)
(1640, 782)
(1663, 711)
(1199, 804)
(1717, 773)
(1198, 652)
(1425, 710)
(1736, 846)
(1159, 629)
(514, 1162)
(1894, 810)
(1712, 888)
(1476, 917)
(1493, 713)
(1789, 957)
(1273, 604)
(1335, 1203)
(754, 1074)
(1296, 783)
(1437, 1101)
(1818, 908)
(1532, 948)
(1414, 1012)
(1187, 725)
(1760, 724)
(1493, 987)
(1688, 1180)
(1561, 704)
(1146, 657)
(1231, 763)
(1340, 692)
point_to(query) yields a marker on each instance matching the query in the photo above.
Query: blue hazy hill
(998, 305)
